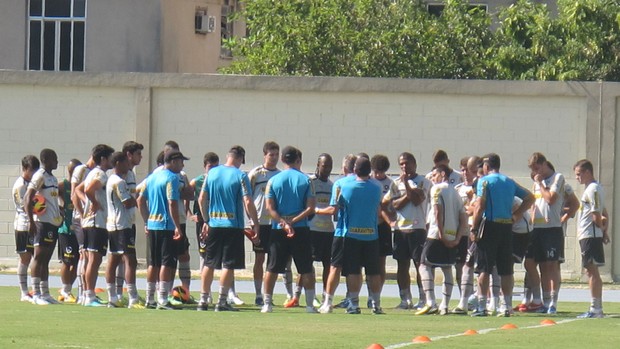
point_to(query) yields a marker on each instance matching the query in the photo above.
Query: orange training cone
(470, 332)
(375, 346)
(421, 339)
(547, 322)
(509, 327)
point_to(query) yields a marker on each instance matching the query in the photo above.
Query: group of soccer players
(476, 221)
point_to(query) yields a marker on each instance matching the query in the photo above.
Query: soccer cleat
(291, 303)
(427, 310)
(150, 305)
(165, 306)
(345, 303)
(522, 308)
(505, 313)
(316, 303)
(235, 300)
(135, 305)
(101, 300)
(405, 304)
(26, 298)
(50, 299)
(225, 307)
(354, 310)
(94, 303)
(536, 308)
(209, 299)
(39, 301)
(480, 313)
(259, 301)
(459, 311)
(174, 302)
(267, 308)
(377, 311)
(444, 311)
(552, 310)
(311, 310)
(124, 302)
(421, 304)
(591, 314)
(202, 306)
(68, 298)
(325, 309)
(115, 304)
(472, 302)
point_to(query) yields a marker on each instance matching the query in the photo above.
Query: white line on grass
(483, 331)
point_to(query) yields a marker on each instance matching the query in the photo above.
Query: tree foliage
(399, 38)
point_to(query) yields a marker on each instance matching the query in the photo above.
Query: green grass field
(73, 326)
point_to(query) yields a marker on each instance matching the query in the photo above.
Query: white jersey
(454, 178)
(323, 193)
(385, 183)
(79, 175)
(132, 184)
(591, 202)
(117, 192)
(444, 196)
(410, 217)
(22, 222)
(96, 219)
(522, 226)
(466, 193)
(46, 184)
(259, 177)
(545, 215)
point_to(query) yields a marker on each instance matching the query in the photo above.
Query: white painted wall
(72, 112)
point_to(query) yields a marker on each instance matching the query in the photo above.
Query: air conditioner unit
(201, 23)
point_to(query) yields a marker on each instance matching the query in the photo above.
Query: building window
(437, 9)
(56, 34)
(226, 27)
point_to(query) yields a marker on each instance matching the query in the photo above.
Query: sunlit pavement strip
(483, 331)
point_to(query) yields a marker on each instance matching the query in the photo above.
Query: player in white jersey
(133, 150)
(121, 235)
(448, 222)
(44, 225)
(24, 244)
(592, 233)
(546, 248)
(79, 175)
(258, 181)
(94, 219)
(409, 196)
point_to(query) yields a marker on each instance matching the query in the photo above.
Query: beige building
(116, 35)
(172, 36)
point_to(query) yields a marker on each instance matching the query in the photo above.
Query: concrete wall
(564, 120)
(13, 21)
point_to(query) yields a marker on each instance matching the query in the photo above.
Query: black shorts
(182, 243)
(409, 245)
(123, 241)
(24, 242)
(282, 248)
(546, 245)
(76, 225)
(321, 243)
(592, 252)
(96, 240)
(385, 239)
(68, 249)
(461, 250)
(162, 250)
(337, 257)
(225, 248)
(46, 235)
(436, 254)
(520, 243)
(495, 249)
(264, 234)
(358, 254)
(202, 244)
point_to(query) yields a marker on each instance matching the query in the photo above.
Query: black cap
(173, 155)
(290, 154)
